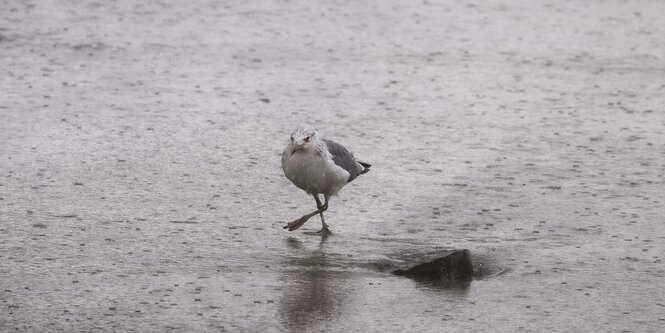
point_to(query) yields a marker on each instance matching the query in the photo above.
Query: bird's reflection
(312, 295)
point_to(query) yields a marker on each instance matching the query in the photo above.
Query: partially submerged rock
(455, 265)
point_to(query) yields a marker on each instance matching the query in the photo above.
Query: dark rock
(453, 266)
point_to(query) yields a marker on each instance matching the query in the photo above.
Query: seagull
(318, 166)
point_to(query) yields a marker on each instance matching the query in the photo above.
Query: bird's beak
(294, 149)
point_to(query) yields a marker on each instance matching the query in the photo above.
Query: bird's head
(303, 138)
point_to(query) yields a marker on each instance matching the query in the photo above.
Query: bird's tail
(366, 167)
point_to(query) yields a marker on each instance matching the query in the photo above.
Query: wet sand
(141, 188)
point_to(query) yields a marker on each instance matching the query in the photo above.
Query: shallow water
(141, 190)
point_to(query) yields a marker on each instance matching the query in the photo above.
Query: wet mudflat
(141, 190)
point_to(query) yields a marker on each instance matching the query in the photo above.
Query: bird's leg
(324, 227)
(299, 222)
(318, 205)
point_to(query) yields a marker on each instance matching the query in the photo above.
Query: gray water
(141, 188)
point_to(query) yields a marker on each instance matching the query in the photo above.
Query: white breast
(314, 171)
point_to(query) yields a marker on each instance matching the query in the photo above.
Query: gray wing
(344, 158)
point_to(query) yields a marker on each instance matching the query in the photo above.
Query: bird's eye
(307, 139)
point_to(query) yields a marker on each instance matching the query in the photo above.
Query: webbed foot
(297, 223)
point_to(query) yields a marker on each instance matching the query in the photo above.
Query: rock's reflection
(452, 289)
(312, 295)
